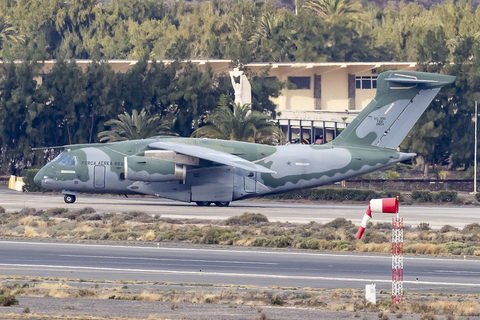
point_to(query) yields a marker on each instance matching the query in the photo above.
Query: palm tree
(269, 26)
(241, 125)
(8, 32)
(332, 11)
(136, 126)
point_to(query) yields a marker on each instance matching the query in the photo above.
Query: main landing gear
(69, 198)
(208, 203)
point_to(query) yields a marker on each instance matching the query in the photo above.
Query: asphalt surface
(207, 265)
(436, 216)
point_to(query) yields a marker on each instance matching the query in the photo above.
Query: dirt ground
(80, 308)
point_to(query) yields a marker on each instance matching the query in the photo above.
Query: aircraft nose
(38, 178)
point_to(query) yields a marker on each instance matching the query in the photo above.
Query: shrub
(340, 223)
(453, 245)
(448, 228)
(279, 242)
(392, 175)
(56, 211)
(446, 196)
(246, 219)
(2, 209)
(277, 301)
(422, 196)
(423, 226)
(309, 243)
(7, 300)
(259, 242)
(472, 227)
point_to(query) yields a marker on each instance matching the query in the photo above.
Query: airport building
(327, 95)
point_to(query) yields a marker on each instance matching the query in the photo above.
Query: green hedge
(332, 194)
(429, 196)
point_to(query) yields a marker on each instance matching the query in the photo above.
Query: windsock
(388, 205)
(366, 217)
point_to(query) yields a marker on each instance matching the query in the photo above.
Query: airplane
(207, 171)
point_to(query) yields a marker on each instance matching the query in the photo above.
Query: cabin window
(366, 82)
(74, 161)
(64, 161)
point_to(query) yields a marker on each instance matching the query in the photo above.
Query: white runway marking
(158, 259)
(226, 274)
(262, 252)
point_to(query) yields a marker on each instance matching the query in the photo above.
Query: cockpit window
(57, 157)
(64, 160)
(74, 161)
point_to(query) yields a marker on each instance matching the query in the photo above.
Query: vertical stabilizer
(401, 98)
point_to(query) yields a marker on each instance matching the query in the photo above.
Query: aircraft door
(250, 182)
(99, 177)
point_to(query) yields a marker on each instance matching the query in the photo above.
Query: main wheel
(203, 203)
(222, 203)
(69, 198)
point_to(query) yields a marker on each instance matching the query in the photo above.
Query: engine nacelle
(138, 168)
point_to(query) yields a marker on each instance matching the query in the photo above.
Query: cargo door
(250, 182)
(99, 177)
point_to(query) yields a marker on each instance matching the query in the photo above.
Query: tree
(8, 33)
(20, 106)
(136, 126)
(242, 124)
(333, 11)
(65, 85)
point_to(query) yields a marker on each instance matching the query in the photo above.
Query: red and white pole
(397, 259)
(389, 205)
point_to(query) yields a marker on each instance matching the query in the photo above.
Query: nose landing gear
(69, 198)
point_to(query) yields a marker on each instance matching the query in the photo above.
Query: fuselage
(102, 169)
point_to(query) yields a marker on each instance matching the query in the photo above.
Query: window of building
(300, 82)
(366, 82)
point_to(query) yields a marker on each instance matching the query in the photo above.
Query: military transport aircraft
(209, 171)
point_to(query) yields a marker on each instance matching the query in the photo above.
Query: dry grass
(30, 232)
(83, 228)
(149, 296)
(26, 221)
(375, 247)
(338, 235)
(425, 248)
(149, 236)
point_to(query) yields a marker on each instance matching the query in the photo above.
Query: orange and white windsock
(388, 205)
(363, 226)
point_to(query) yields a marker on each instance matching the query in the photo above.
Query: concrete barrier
(16, 183)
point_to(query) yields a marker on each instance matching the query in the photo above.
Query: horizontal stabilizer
(210, 155)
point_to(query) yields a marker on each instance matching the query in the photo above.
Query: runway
(210, 265)
(436, 216)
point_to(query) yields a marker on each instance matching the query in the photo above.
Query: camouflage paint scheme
(232, 170)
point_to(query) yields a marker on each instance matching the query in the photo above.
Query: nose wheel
(203, 203)
(222, 203)
(69, 198)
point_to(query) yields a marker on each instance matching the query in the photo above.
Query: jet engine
(148, 169)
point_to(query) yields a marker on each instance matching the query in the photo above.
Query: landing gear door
(251, 182)
(99, 177)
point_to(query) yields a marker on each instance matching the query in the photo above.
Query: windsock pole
(397, 259)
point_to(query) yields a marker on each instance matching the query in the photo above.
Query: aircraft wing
(210, 155)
